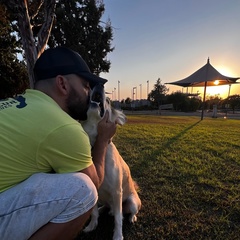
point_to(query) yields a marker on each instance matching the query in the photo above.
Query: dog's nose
(97, 94)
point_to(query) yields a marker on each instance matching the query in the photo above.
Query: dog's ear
(119, 116)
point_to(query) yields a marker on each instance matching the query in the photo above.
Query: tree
(78, 25)
(157, 95)
(212, 100)
(181, 102)
(233, 101)
(24, 12)
(128, 100)
(13, 72)
(194, 104)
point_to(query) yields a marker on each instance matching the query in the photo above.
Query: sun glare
(226, 71)
(221, 91)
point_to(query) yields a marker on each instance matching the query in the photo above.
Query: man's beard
(77, 106)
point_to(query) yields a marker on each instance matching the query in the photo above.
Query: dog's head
(99, 104)
(97, 100)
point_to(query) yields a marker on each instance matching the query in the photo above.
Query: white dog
(118, 188)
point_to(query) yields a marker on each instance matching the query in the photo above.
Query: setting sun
(221, 91)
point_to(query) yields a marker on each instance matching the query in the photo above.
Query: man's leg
(46, 201)
(61, 231)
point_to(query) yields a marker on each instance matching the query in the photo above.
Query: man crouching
(48, 175)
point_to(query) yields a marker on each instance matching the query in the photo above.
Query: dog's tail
(136, 186)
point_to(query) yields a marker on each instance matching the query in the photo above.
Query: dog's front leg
(118, 217)
(94, 220)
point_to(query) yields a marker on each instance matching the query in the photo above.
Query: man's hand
(106, 131)
(106, 128)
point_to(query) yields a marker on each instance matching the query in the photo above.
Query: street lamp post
(115, 94)
(134, 92)
(140, 91)
(119, 91)
(147, 87)
(228, 100)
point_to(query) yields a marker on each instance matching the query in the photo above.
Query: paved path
(230, 115)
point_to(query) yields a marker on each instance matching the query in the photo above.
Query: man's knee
(82, 196)
(84, 184)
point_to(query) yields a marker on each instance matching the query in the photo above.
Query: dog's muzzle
(98, 98)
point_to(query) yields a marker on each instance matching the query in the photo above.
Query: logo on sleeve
(18, 102)
(22, 102)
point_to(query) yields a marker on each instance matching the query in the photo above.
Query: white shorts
(43, 198)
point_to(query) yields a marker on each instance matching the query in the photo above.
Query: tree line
(185, 102)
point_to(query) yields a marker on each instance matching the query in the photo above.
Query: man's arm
(106, 131)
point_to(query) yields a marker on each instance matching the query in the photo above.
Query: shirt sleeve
(66, 149)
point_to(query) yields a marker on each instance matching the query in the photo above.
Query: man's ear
(62, 84)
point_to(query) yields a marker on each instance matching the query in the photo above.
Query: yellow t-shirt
(36, 135)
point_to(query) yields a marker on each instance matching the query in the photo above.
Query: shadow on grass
(104, 230)
(179, 135)
(146, 163)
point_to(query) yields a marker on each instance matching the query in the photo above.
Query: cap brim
(92, 78)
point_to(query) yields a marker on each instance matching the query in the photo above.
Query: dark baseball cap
(63, 61)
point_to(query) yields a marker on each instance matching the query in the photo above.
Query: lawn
(189, 177)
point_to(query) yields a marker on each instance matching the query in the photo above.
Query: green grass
(189, 177)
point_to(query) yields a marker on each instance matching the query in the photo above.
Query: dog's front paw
(118, 237)
(91, 226)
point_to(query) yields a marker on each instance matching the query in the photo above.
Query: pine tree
(157, 95)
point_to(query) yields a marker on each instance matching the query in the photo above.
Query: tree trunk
(31, 48)
(44, 33)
